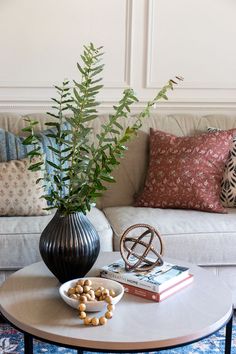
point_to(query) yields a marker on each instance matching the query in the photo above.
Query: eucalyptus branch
(60, 138)
(84, 111)
(85, 162)
(97, 166)
(33, 140)
(113, 126)
(117, 145)
(162, 94)
(102, 163)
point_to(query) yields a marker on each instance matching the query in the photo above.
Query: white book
(157, 280)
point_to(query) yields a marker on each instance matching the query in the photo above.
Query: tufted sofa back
(130, 173)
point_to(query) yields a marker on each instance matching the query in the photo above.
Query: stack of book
(156, 285)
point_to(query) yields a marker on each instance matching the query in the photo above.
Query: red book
(158, 297)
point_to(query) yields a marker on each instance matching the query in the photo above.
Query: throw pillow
(185, 172)
(12, 148)
(228, 183)
(19, 193)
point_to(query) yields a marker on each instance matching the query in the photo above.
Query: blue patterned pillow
(12, 148)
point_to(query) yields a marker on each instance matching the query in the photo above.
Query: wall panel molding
(128, 51)
(132, 49)
(109, 84)
(152, 8)
(31, 106)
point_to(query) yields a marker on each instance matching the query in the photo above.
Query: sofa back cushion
(186, 172)
(19, 193)
(14, 122)
(228, 183)
(130, 174)
(12, 147)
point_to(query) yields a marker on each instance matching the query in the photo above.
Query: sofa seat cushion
(195, 236)
(20, 237)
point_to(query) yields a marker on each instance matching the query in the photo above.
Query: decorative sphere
(138, 252)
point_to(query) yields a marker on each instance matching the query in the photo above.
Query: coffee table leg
(228, 336)
(79, 351)
(28, 341)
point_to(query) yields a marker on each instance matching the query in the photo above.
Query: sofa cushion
(186, 172)
(20, 237)
(19, 192)
(228, 184)
(12, 148)
(130, 174)
(199, 237)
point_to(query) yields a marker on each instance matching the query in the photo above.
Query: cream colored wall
(146, 43)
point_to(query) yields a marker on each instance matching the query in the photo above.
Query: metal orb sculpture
(149, 257)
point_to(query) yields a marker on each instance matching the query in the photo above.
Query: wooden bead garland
(84, 293)
(95, 321)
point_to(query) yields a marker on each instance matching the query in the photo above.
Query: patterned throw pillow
(185, 172)
(11, 148)
(228, 183)
(19, 193)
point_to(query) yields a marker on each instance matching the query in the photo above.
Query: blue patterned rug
(11, 341)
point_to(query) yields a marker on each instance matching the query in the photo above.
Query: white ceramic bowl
(92, 306)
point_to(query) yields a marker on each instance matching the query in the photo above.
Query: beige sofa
(206, 239)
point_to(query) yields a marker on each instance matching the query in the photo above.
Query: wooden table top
(30, 300)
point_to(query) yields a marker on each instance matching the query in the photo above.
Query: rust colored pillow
(186, 172)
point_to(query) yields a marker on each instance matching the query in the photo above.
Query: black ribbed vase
(69, 246)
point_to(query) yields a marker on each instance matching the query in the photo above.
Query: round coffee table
(29, 300)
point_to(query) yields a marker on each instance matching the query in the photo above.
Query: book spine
(125, 280)
(146, 294)
(158, 297)
(143, 284)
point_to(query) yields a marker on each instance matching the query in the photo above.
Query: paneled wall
(146, 42)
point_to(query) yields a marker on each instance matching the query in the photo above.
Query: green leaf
(77, 96)
(107, 178)
(55, 100)
(34, 153)
(98, 67)
(27, 129)
(95, 81)
(53, 124)
(53, 115)
(88, 118)
(32, 122)
(114, 131)
(35, 166)
(118, 125)
(30, 140)
(53, 165)
(65, 150)
(39, 180)
(96, 72)
(95, 88)
(80, 69)
(51, 135)
(93, 104)
(54, 149)
(59, 88)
